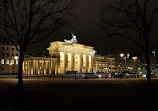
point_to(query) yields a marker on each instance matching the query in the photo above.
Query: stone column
(31, 67)
(44, 67)
(87, 62)
(56, 67)
(66, 63)
(24, 66)
(61, 68)
(40, 67)
(28, 68)
(80, 62)
(90, 63)
(36, 67)
(49, 67)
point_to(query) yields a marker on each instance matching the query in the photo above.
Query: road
(71, 94)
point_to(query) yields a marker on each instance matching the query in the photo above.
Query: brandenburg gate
(72, 56)
(64, 56)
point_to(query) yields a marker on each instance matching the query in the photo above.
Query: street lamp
(134, 58)
(154, 58)
(16, 57)
(121, 55)
(153, 53)
(125, 57)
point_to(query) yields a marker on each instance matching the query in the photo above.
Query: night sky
(86, 25)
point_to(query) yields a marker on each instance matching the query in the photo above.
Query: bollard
(27, 77)
(16, 77)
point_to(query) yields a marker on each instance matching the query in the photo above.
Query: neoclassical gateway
(68, 56)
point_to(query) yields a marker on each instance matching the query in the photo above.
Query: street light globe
(16, 57)
(134, 58)
(121, 55)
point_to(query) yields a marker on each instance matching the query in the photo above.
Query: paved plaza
(80, 94)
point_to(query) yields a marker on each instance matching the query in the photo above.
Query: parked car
(91, 75)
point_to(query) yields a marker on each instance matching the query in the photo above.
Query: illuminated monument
(64, 56)
(72, 56)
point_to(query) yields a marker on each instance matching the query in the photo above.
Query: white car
(91, 75)
(144, 75)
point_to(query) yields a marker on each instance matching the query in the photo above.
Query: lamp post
(153, 53)
(134, 58)
(125, 57)
(154, 60)
(16, 58)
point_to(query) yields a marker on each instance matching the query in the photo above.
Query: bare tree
(29, 21)
(132, 19)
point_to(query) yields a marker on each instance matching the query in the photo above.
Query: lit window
(2, 61)
(16, 61)
(7, 61)
(12, 61)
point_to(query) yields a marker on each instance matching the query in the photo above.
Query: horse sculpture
(73, 40)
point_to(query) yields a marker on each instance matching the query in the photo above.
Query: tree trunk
(148, 76)
(147, 58)
(21, 58)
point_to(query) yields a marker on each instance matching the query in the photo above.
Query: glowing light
(121, 55)
(134, 58)
(16, 57)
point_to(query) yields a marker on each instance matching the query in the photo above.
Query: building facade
(40, 65)
(9, 59)
(66, 57)
(63, 57)
(104, 64)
